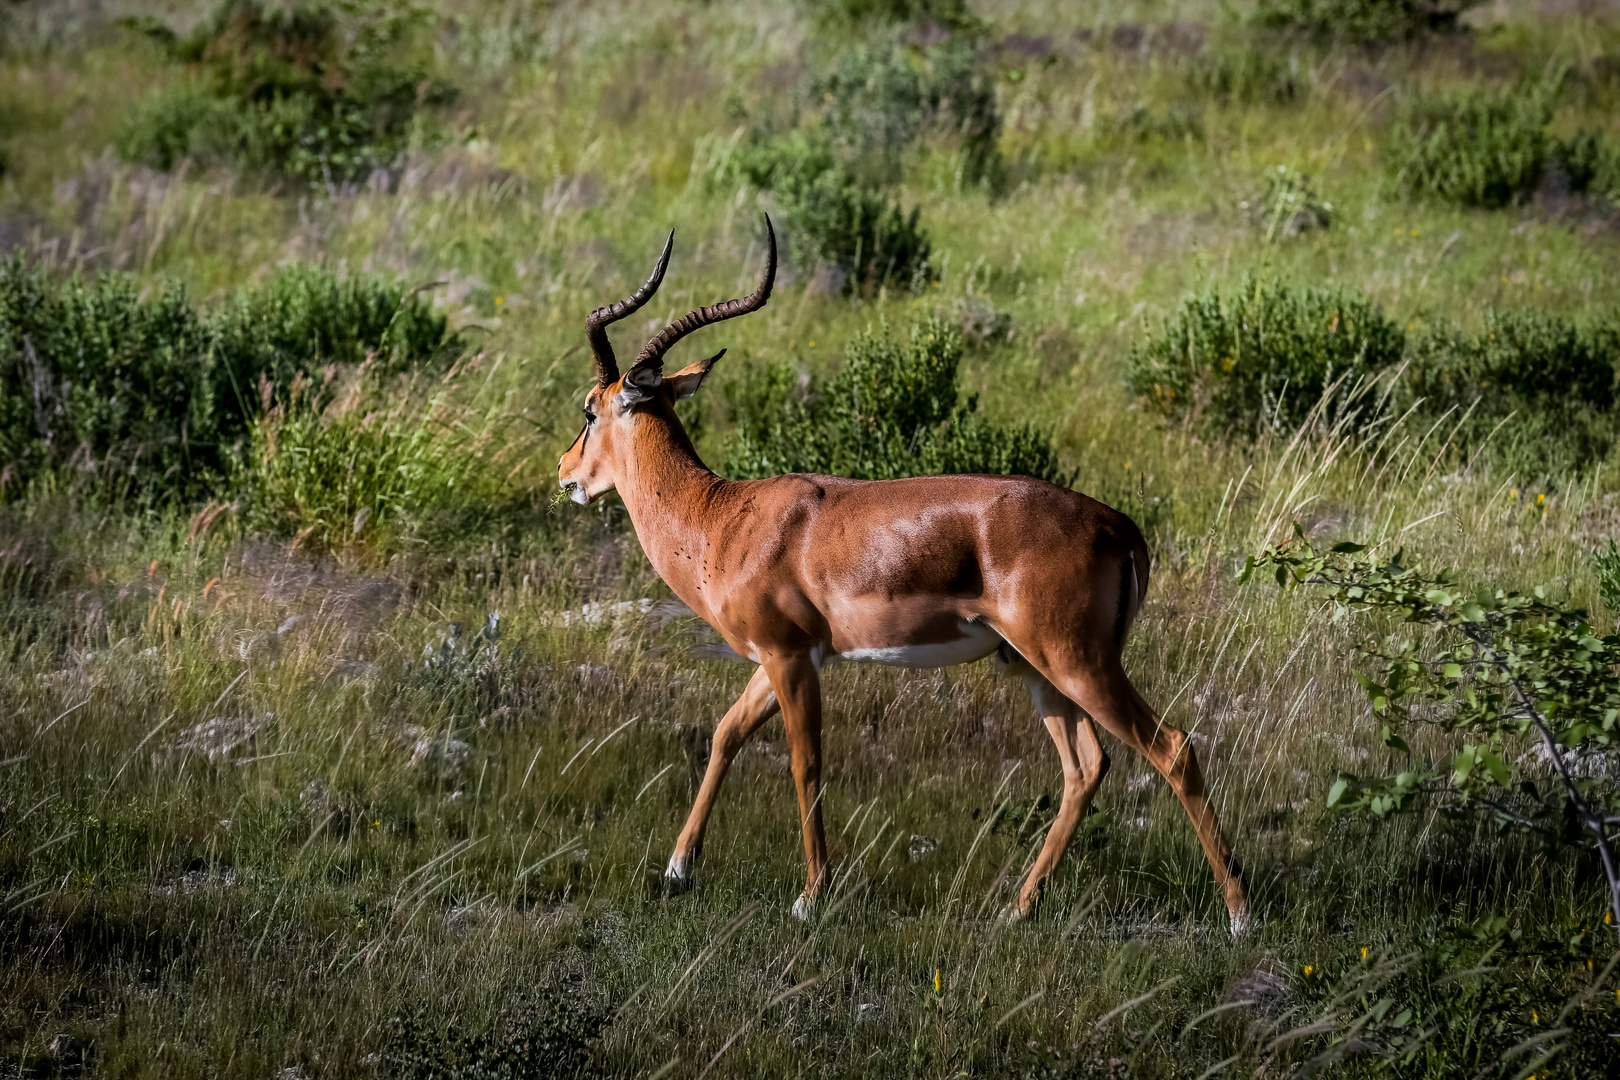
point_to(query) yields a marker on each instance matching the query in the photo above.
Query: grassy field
(278, 798)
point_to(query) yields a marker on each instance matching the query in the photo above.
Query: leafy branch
(1524, 679)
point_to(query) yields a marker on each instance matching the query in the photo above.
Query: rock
(222, 737)
(595, 675)
(921, 847)
(440, 753)
(67, 1053)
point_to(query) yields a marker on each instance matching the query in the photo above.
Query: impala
(799, 571)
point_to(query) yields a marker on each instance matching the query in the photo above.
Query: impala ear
(686, 381)
(640, 385)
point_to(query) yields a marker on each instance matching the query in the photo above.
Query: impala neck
(668, 492)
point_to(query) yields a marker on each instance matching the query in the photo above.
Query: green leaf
(1347, 548)
(1452, 671)
(1395, 742)
(1248, 570)
(1336, 792)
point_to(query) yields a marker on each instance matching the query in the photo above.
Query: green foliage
(1291, 204)
(1546, 382)
(546, 1037)
(1589, 162)
(950, 13)
(1466, 998)
(1363, 22)
(374, 469)
(892, 410)
(1606, 561)
(317, 93)
(880, 100)
(1262, 356)
(1245, 76)
(1476, 148)
(1522, 681)
(153, 394)
(851, 225)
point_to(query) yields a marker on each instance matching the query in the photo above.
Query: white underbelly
(977, 642)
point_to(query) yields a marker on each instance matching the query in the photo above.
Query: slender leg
(757, 705)
(1106, 693)
(1084, 765)
(798, 688)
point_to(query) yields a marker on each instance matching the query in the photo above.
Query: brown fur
(795, 567)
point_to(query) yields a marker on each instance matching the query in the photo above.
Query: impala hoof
(1017, 913)
(678, 875)
(803, 908)
(1240, 922)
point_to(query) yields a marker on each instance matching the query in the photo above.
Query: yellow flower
(500, 299)
(812, 344)
(939, 982)
(1535, 1017)
(1513, 493)
(1414, 232)
(1308, 969)
(1364, 952)
(1541, 497)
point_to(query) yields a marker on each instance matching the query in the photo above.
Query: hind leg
(1104, 691)
(1084, 765)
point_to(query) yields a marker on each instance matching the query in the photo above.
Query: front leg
(757, 705)
(798, 688)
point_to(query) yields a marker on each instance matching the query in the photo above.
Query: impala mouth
(575, 491)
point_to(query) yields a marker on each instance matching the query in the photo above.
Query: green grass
(369, 851)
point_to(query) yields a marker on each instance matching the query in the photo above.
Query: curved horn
(596, 324)
(653, 354)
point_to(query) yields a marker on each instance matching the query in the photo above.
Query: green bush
(836, 217)
(374, 470)
(1363, 22)
(1589, 163)
(1472, 148)
(545, 1037)
(1247, 76)
(1263, 356)
(892, 410)
(1543, 384)
(1291, 204)
(878, 101)
(94, 380)
(301, 91)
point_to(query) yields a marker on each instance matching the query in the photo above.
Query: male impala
(799, 571)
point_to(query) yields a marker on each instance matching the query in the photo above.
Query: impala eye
(590, 417)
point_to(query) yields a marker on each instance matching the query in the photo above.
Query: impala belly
(974, 641)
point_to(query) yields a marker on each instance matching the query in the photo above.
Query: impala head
(618, 402)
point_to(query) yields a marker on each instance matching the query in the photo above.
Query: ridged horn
(653, 354)
(596, 324)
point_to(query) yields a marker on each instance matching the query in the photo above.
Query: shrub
(892, 410)
(1291, 204)
(549, 1037)
(1472, 148)
(837, 218)
(1363, 22)
(1550, 380)
(1521, 682)
(298, 91)
(1248, 76)
(1263, 356)
(376, 471)
(1589, 162)
(94, 380)
(878, 101)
